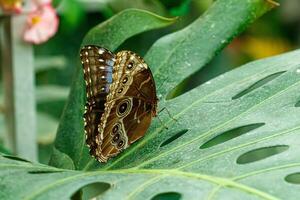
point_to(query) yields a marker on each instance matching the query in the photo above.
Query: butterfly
(121, 100)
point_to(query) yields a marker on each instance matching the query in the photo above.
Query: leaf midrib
(224, 182)
(142, 187)
(220, 182)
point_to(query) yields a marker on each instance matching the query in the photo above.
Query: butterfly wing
(97, 65)
(129, 107)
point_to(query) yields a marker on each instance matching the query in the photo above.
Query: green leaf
(234, 137)
(214, 159)
(186, 51)
(113, 32)
(110, 34)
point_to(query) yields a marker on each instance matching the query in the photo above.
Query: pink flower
(42, 23)
(11, 6)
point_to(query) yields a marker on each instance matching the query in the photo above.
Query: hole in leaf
(258, 84)
(216, 67)
(230, 134)
(15, 158)
(43, 172)
(174, 137)
(167, 196)
(297, 104)
(293, 178)
(261, 153)
(90, 191)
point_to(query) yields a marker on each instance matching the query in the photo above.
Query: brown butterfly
(121, 100)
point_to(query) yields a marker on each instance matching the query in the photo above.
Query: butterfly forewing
(130, 105)
(97, 65)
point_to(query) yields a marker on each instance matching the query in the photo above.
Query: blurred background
(55, 60)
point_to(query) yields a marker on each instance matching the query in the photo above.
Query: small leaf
(61, 160)
(124, 25)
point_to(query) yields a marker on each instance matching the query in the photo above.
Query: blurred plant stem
(18, 81)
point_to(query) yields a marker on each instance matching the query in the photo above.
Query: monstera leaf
(234, 137)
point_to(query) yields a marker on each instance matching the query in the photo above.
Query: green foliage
(47, 126)
(45, 63)
(72, 14)
(154, 6)
(234, 137)
(109, 34)
(48, 93)
(182, 9)
(3, 150)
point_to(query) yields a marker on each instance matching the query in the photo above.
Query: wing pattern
(121, 100)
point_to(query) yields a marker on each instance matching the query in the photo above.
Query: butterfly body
(121, 100)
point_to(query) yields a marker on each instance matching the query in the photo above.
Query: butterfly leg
(165, 108)
(162, 123)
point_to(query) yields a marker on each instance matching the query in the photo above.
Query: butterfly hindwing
(129, 107)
